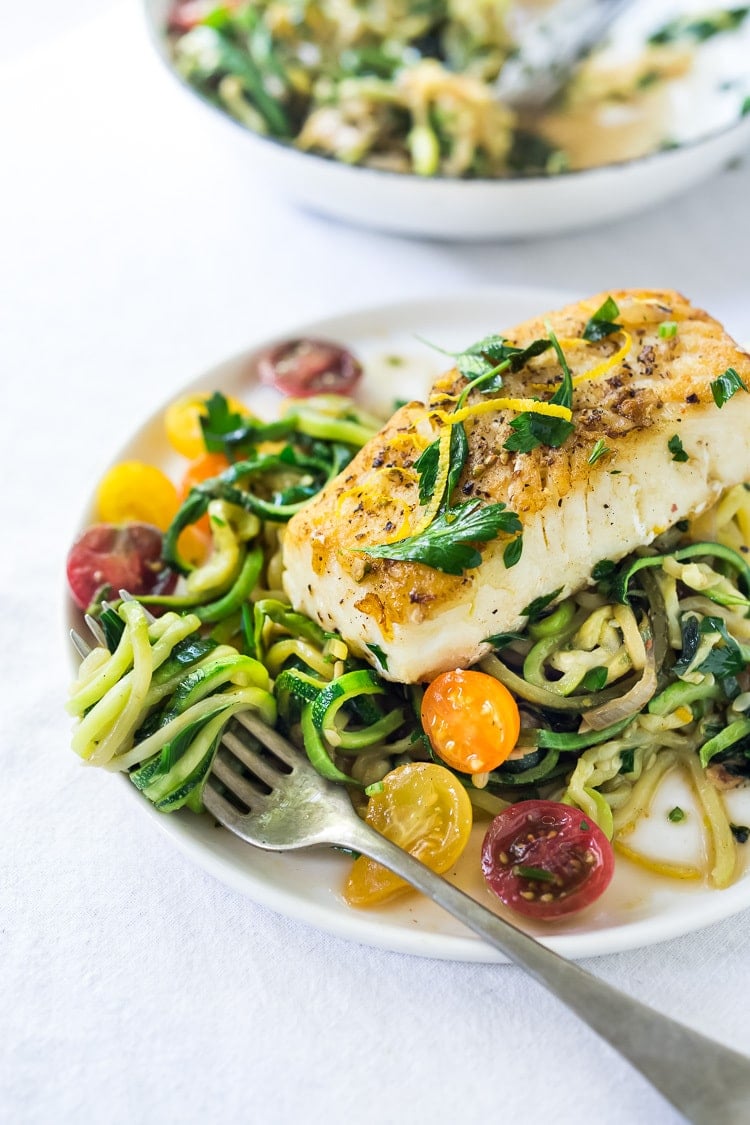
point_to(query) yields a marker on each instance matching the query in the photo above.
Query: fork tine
(96, 630)
(252, 760)
(219, 807)
(82, 647)
(269, 738)
(128, 597)
(237, 784)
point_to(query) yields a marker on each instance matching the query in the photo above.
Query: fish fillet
(574, 513)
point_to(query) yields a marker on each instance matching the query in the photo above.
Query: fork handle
(704, 1080)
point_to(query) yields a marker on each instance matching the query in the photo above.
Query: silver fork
(265, 791)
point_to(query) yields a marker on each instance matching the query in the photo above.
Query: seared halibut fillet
(646, 388)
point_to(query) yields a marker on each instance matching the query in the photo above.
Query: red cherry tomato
(309, 367)
(545, 859)
(127, 558)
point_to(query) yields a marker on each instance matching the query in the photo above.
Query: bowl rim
(160, 41)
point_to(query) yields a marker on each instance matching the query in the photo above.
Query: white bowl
(472, 209)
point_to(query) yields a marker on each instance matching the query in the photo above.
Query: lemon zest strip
(519, 405)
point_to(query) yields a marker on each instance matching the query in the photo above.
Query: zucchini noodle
(645, 672)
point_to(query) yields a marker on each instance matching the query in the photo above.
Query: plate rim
(709, 907)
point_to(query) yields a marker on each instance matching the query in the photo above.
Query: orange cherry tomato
(202, 468)
(182, 422)
(424, 809)
(471, 720)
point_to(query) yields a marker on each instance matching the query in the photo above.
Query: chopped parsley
(513, 552)
(483, 358)
(531, 429)
(595, 679)
(627, 760)
(501, 640)
(724, 659)
(601, 324)
(536, 874)
(448, 543)
(675, 447)
(699, 28)
(535, 609)
(379, 655)
(676, 815)
(218, 421)
(599, 450)
(428, 462)
(726, 386)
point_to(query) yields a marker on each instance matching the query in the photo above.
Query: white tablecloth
(136, 249)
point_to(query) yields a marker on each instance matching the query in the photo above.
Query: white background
(137, 248)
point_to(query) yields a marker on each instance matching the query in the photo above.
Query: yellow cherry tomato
(424, 809)
(471, 720)
(183, 426)
(134, 492)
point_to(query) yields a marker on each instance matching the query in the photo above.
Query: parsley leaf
(219, 422)
(599, 450)
(595, 679)
(379, 655)
(675, 447)
(530, 430)
(722, 660)
(500, 640)
(534, 874)
(512, 553)
(427, 464)
(726, 386)
(447, 544)
(603, 569)
(699, 28)
(489, 353)
(535, 609)
(563, 396)
(627, 760)
(601, 323)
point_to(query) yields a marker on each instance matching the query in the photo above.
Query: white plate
(638, 908)
(704, 122)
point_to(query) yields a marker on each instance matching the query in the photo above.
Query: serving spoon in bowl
(550, 46)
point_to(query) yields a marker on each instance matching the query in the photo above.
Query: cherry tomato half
(126, 558)
(309, 367)
(423, 808)
(135, 492)
(471, 720)
(545, 859)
